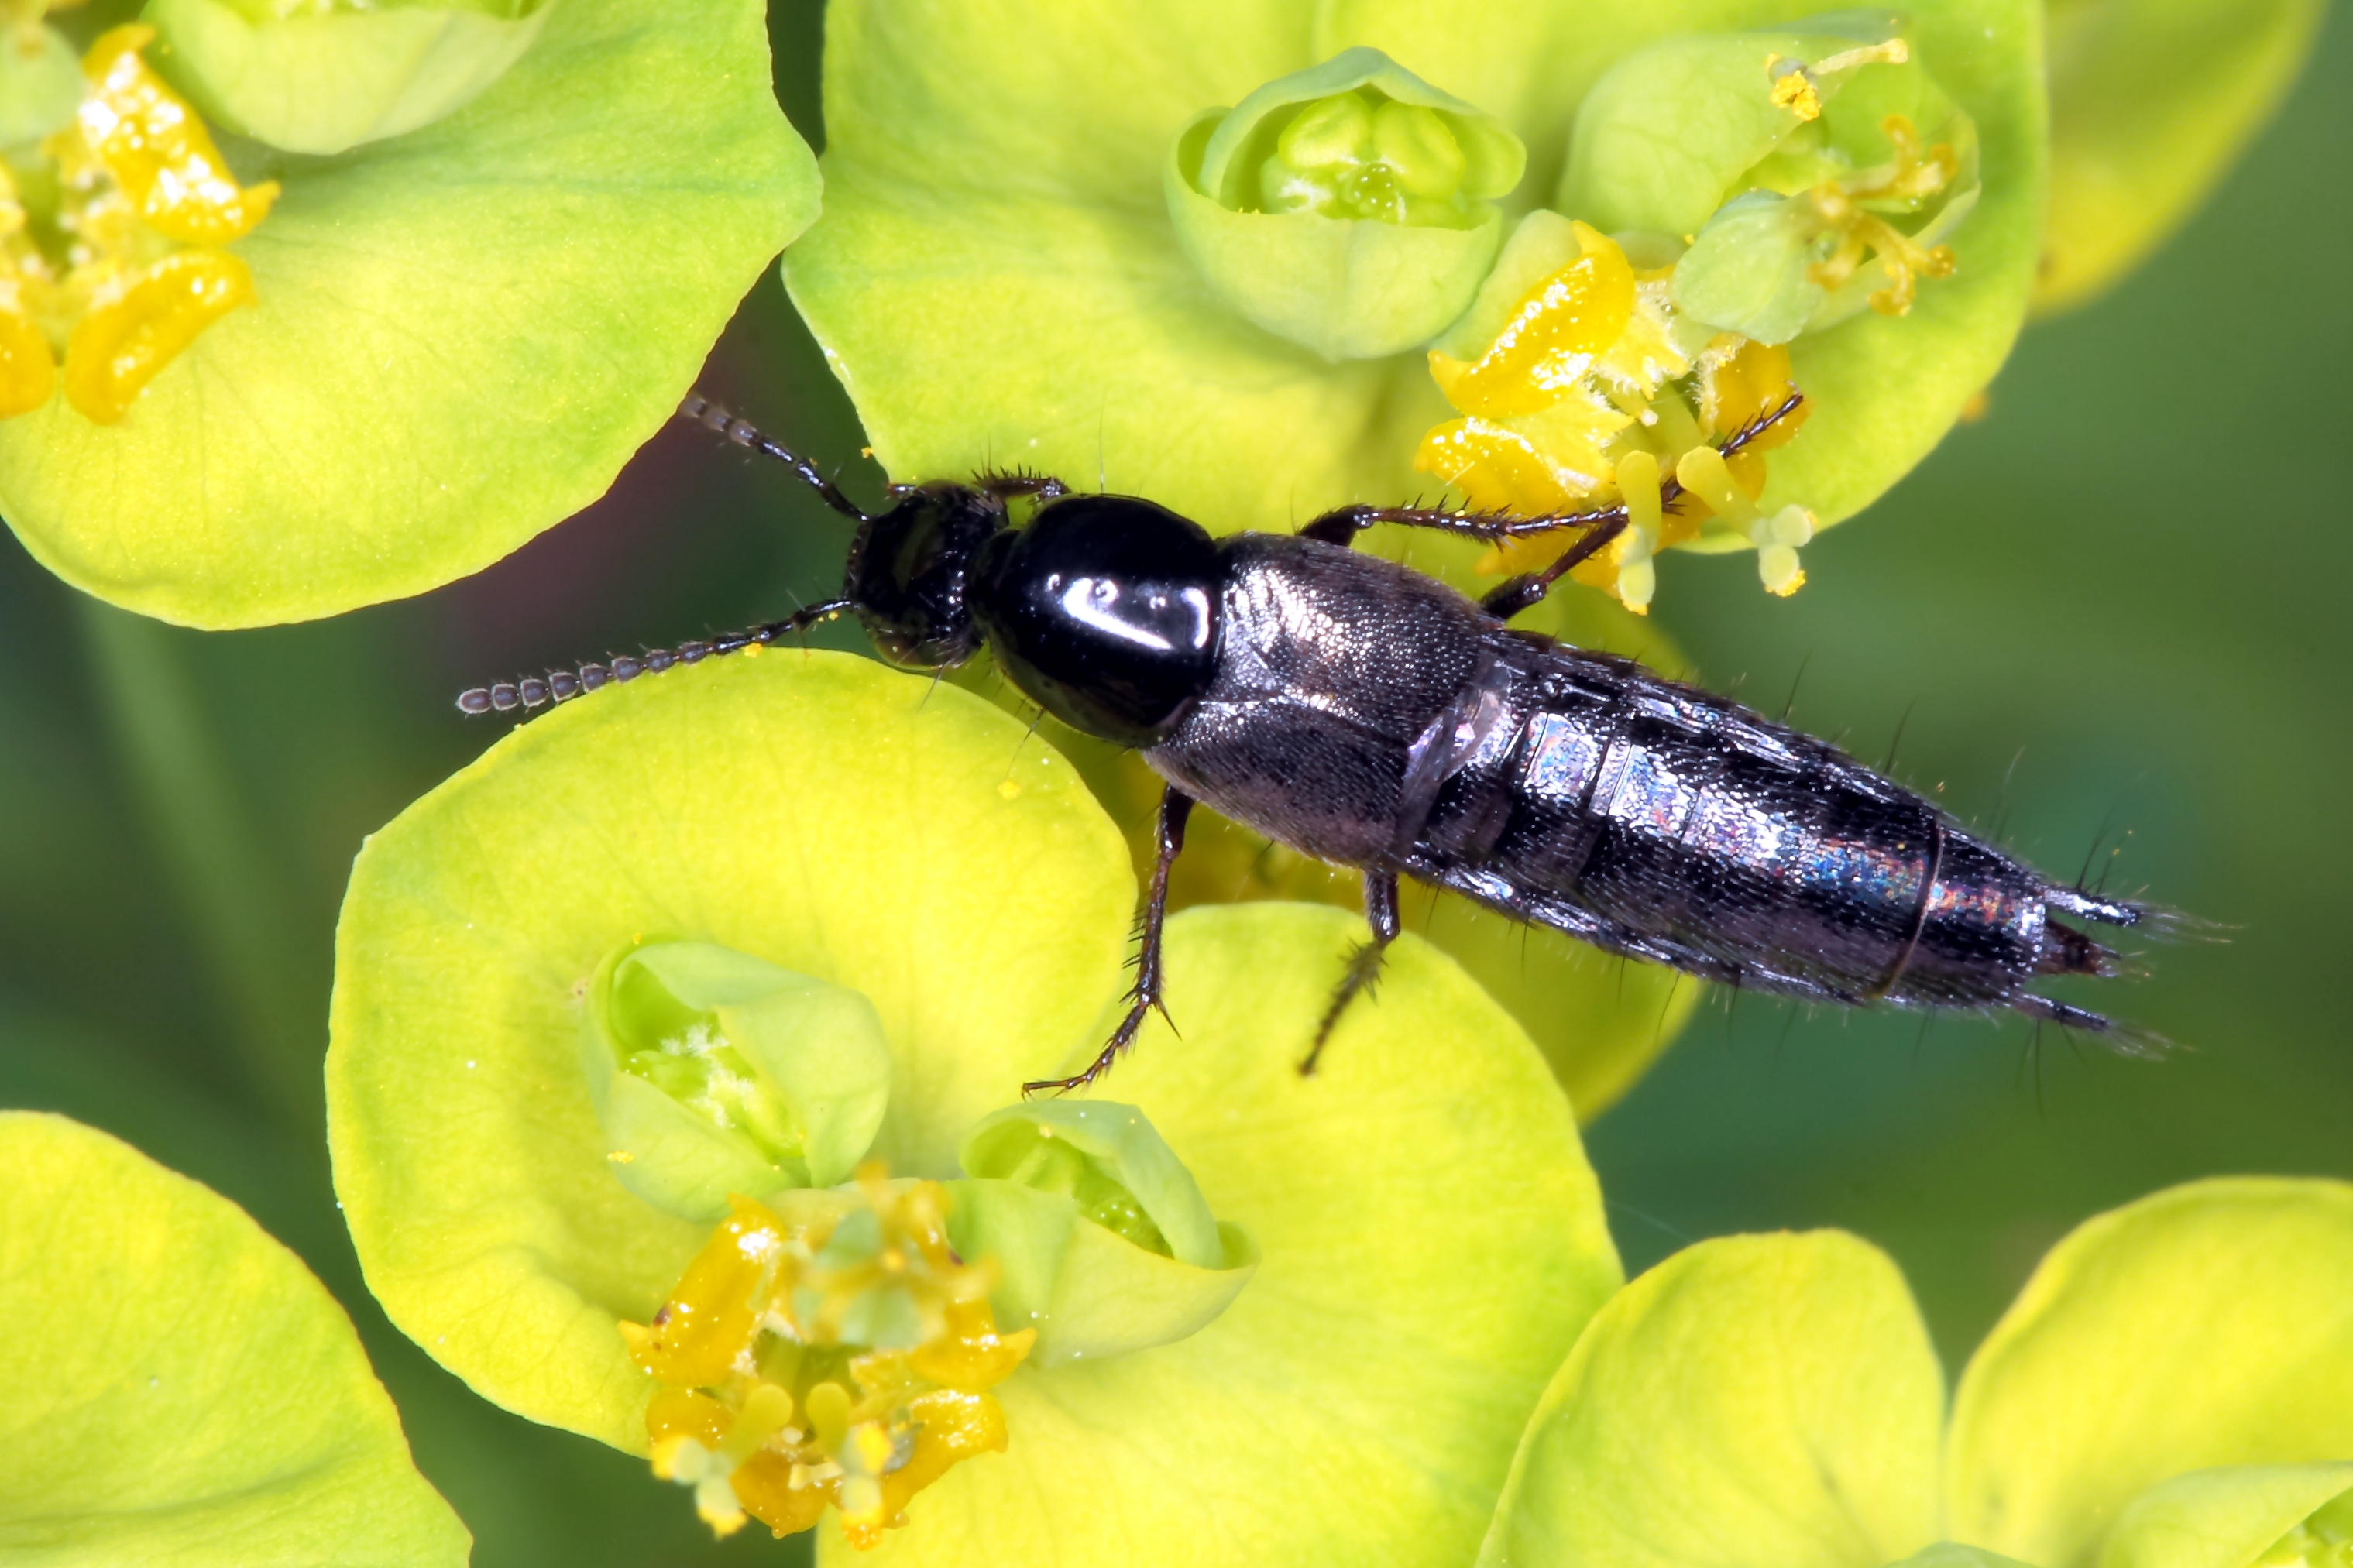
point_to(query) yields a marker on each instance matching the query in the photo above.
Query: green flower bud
(715, 1072)
(40, 81)
(1348, 207)
(1102, 1239)
(323, 75)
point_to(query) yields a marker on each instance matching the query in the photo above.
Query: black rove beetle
(1369, 716)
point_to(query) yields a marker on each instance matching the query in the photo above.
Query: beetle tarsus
(1364, 969)
(1146, 998)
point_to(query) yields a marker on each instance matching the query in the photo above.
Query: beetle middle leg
(1364, 963)
(1175, 808)
(1014, 484)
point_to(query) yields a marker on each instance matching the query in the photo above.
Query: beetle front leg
(1175, 808)
(1364, 963)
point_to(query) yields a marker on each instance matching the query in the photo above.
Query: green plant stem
(214, 855)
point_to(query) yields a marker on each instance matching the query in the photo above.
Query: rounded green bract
(1425, 1253)
(177, 1387)
(2151, 103)
(1777, 1395)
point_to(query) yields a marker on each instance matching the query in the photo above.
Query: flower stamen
(1843, 207)
(841, 1356)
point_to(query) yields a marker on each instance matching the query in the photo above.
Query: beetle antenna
(700, 410)
(533, 691)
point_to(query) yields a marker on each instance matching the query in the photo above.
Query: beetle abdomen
(1656, 820)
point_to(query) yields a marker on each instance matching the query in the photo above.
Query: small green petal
(1746, 271)
(2209, 1325)
(1661, 140)
(1431, 1237)
(714, 1072)
(1091, 1293)
(2227, 1518)
(1751, 1399)
(177, 1388)
(836, 818)
(324, 80)
(1953, 1555)
(40, 82)
(2151, 103)
(1118, 1144)
(522, 292)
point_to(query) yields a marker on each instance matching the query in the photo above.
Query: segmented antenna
(534, 692)
(700, 410)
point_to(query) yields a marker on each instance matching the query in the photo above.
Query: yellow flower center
(110, 240)
(1585, 398)
(841, 1357)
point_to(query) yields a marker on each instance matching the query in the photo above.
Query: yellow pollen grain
(1793, 89)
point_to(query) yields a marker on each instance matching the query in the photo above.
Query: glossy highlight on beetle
(1369, 716)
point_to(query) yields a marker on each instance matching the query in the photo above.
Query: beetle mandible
(1369, 716)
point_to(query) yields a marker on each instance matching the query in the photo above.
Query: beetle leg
(1512, 595)
(1340, 525)
(1012, 483)
(1174, 806)
(1364, 963)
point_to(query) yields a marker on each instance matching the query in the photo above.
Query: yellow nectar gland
(1582, 398)
(843, 1361)
(124, 270)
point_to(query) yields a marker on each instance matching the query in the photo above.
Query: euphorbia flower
(176, 1386)
(998, 280)
(2172, 1389)
(438, 342)
(1327, 1302)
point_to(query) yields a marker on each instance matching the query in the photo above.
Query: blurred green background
(2115, 601)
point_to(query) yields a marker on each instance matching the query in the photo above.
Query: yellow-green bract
(461, 333)
(176, 1387)
(997, 279)
(2172, 1389)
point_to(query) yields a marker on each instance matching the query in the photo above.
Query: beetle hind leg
(1364, 963)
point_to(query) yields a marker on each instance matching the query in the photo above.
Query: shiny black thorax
(1369, 716)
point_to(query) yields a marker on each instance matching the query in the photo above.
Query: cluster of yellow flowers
(111, 237)
(841, 1356)
(1597, 390)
